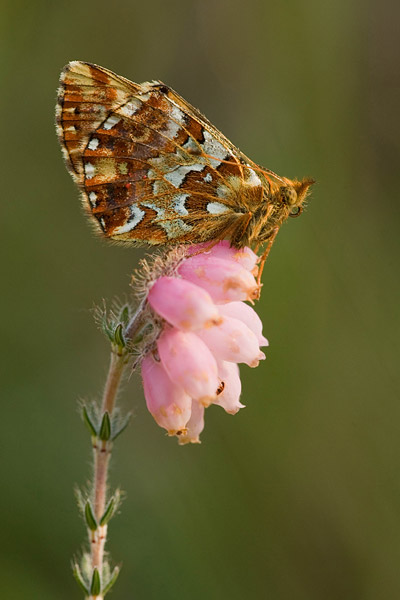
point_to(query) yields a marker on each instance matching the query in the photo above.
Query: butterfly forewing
(152, 169)
(87, 94)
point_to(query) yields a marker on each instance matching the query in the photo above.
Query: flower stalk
(93, 572)
(102, 447)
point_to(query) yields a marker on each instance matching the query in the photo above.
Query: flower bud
(183, 304)
(189, 363)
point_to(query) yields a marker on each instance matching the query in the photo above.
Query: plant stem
(101, 454)
(93, 573)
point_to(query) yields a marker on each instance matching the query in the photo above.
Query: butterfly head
(293, 194)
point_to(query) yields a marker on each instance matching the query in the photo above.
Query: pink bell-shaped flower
(202, 330)
(233, 341)
(183, 304)
(189, 362)
(231, 387)
(194, 426)
(224, 280)
(246, 314)
(169, 404)
(243, 256)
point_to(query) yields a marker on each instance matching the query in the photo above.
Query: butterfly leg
(265, 255)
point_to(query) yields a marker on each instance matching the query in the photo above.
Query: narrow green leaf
(86, 567)
(78, 577)
(124, 315)
(105, 572)
(112, 580)
(89, 517)
(109, 511)
(88, 421)
(119, 336)
(123, 424)
(106, 328)
(95, 586)
(105, 427)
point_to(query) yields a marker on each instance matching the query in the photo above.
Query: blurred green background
(298, 496)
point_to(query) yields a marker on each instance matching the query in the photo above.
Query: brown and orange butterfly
(153, 170)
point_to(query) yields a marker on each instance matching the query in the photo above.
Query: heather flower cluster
(205, 330)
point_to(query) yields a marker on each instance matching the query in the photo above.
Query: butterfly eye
(296, 211)
(288, 195)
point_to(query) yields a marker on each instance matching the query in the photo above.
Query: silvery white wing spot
(153, 170)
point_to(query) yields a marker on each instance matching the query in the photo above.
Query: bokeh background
(298, 496)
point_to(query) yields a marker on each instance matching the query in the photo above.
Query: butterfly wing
(151, 168)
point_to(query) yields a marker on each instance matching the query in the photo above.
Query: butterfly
(153, 170)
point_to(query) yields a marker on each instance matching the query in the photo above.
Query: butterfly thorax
(274, 206)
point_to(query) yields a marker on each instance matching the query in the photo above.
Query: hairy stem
(93, 572)
(101, 453)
